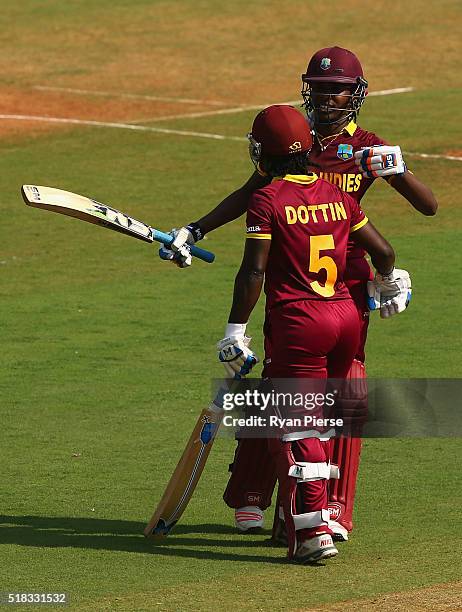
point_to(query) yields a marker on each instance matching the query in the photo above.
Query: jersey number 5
(317, 244)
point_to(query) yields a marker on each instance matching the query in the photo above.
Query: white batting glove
(178, 252)
(381, 161)
(234, 352)
(390, 293)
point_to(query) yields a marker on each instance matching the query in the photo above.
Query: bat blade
(92, 211)
(187, 473)
(86, 209)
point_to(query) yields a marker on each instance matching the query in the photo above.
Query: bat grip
(196, 251)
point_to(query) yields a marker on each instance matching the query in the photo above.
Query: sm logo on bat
(112, 215)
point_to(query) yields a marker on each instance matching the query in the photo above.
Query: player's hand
(234, 352)
(179, 252)
(390, 293)
(381, 161)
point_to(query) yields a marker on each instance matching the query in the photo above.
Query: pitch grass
(107, 354)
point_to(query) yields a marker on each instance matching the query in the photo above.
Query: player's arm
(249, 279)
(390, 291)
(233, 351)
(387, 162)
(416, 193)
(380, 250)
(232, 207)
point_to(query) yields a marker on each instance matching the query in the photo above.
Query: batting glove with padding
(391, 293)
(234, 352)
(381, 161)
(178, 252)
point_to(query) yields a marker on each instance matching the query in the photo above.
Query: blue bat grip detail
(196, 251)
(371, 303)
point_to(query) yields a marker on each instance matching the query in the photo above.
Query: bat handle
(196, 251)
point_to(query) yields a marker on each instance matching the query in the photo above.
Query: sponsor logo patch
(325, 63)
(297, 471)
(295, 146)
(345, 151)
(335, 510)
(253, 228)
(389, 160)
(36, 192)
(253, 499)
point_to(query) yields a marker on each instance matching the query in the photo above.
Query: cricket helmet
(335, 65)
(279, 131)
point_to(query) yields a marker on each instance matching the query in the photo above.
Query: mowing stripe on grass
(114, 94)
(222, 111)
(243, 109)
(122, 126)
(149, 128)
(433, 156)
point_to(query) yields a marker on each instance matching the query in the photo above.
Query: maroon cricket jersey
(309, 221)
(336, 165)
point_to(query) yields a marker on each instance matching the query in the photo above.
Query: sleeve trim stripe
(359, 225)
(260, 236)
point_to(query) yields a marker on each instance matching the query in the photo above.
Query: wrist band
(235, 329)
(388, 275)
(196, 231)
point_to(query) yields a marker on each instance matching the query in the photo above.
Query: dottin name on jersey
(332, 211)
(346, 182)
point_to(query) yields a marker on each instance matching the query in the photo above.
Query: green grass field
(108, 354)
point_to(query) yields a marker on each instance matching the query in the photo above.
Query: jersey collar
(350, 128)
(302, 179)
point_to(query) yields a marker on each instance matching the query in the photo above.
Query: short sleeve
(372, 140)
(259, 216)
(357, 217)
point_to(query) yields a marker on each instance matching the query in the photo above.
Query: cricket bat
(187, 473)
(87, 209)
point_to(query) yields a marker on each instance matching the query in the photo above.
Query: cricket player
(298, 229)
(334, 89)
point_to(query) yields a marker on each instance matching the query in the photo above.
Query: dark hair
(280, 165)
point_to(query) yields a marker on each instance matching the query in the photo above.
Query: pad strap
(305, 471)
(309, 519)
